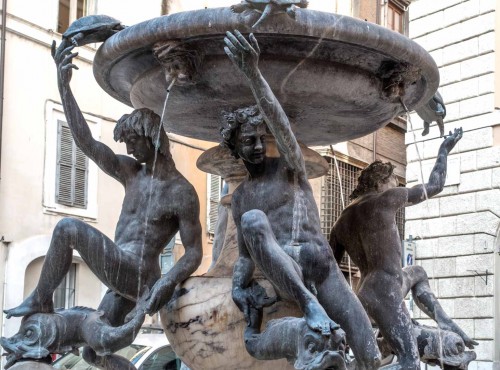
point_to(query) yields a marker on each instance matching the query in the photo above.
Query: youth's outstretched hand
(63, 56)
(452, 139)
(244, 54)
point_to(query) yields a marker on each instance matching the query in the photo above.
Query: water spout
(299, 210)
(416, 146)
(440, 338)
(150, 190)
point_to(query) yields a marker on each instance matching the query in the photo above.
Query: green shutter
(72, 170)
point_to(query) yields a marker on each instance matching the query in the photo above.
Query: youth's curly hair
(371, 176)
(232, 121)
(143, 122)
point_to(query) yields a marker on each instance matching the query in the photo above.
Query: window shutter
(397, 15)
(80, 183)
(214, 190)
(402, 4)
(72, 170)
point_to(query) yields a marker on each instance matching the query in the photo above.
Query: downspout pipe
(377, 12)
(2, 72)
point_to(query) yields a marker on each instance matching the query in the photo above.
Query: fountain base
(205, 328)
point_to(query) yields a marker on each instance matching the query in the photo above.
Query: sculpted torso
(288, 202)
(367, 230)
(146, 218)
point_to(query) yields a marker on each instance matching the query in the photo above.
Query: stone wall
(457, 228)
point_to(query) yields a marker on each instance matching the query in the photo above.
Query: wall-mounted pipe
(2, 72)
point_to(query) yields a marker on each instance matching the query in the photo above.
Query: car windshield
(70, 361)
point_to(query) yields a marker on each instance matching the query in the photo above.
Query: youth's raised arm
(100, 153)
(245, 56)
(437, 178)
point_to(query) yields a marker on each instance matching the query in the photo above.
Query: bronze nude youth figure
(278, 221)
(367, 231)
(156, 205)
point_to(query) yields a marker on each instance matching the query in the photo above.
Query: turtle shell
(91, 23)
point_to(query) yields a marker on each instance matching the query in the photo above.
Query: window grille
(331, 197)
(400, 220)
(331, 203)
(166, 6)
(72, 170)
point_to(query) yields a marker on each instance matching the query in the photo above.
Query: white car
(149, 351)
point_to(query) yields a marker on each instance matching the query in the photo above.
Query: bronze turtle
(92, 28)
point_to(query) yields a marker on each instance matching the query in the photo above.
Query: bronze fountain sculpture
(367, 231)
(316, 77)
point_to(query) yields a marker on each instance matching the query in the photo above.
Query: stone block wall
(456, 229)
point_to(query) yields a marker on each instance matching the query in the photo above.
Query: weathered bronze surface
(367, 231)
(278, 223)
(316, 77)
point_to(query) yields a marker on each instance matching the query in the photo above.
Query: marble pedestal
(205, 328)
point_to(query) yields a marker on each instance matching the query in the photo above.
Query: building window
(72, 170)
(70, 178)
(332, 192)
(71, 10)
(396, 16)
(334, 197)
(214, 189)
(64, 295)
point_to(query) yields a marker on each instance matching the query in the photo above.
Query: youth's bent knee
(416, 273)
(67, 227)
(420, 273)
(253, 221)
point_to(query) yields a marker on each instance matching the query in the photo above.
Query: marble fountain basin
(330, 72)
